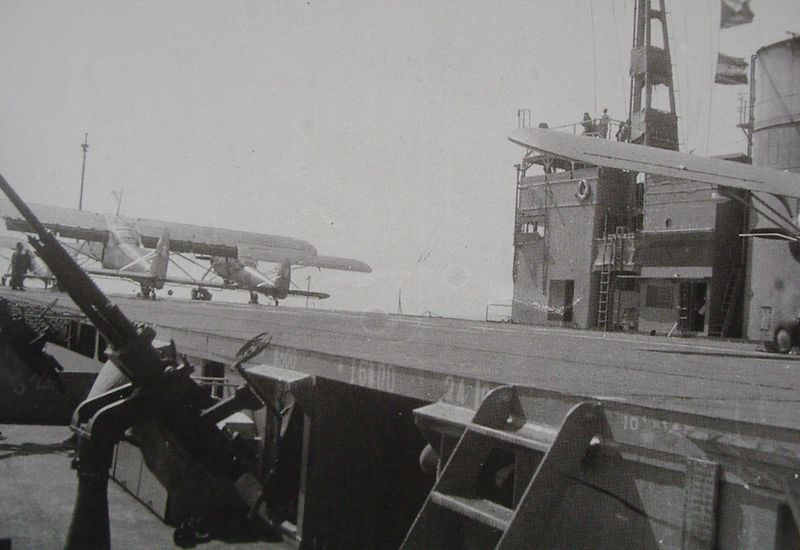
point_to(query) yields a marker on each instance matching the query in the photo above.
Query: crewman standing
(20, 263)
(602, 127)
(588, 124)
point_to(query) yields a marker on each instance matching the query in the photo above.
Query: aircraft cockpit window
(127, 235)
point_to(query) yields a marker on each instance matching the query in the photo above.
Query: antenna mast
(118, 197)
(651, 74)
(85, 147)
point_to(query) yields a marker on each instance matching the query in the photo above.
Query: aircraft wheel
(201, 294)
(783, 340)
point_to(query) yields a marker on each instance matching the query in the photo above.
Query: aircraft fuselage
(124, 248)
(245, 274)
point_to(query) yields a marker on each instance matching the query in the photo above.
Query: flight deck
(460, 360)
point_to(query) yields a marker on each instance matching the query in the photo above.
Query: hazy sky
(374, 130)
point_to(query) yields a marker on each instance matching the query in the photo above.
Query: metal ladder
(602, 303)
(733, 286)
(545, 462)
(611, 265)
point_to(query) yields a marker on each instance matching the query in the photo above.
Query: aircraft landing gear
(147, 292)
(253, 297)
(201, 294)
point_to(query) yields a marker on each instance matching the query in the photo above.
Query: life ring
(583, 191)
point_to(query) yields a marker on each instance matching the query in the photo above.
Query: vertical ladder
(456, 514)
(733, 287)
(602, 303)
(613, 262)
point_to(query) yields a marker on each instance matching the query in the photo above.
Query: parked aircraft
(124, 256)
(140, 250)
(242, 274)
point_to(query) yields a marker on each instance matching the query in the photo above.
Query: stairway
(545, 461)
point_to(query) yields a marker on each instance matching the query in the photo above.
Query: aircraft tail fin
(284, 278)
(160, 262)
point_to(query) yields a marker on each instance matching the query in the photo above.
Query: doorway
(692, 306)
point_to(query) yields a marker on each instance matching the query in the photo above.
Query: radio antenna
(85, 147)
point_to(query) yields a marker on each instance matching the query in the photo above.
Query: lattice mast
(651, 73)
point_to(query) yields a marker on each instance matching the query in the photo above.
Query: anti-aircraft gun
(28, 343)
(170, 416)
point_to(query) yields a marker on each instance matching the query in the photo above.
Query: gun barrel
(120, 332)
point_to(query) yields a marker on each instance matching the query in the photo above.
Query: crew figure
(587, 123)
(602, 127)
(20, 263)
(624, 132)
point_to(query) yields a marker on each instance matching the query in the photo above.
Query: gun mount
(166, 412)
(28, 343)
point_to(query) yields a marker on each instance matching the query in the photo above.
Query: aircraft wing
(66, 222)
(213, 241)
(334, 262)
(185, 238)
(268, 254)
(652, 160)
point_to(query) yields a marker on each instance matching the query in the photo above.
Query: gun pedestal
(212, 477)
(90, 525)
(99, 423)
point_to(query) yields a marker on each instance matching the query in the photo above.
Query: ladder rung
(479, 509)
(513, 437)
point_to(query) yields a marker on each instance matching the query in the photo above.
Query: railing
(580, 128)
(217, 385)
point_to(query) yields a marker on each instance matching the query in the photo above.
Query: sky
(374, 130)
